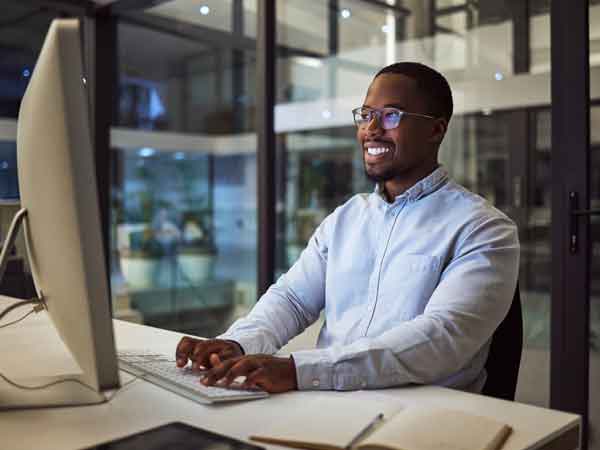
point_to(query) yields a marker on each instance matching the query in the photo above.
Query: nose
(374, 126)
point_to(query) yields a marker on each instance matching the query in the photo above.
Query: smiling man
(413, 278)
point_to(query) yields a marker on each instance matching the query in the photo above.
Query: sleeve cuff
(314, 369)
(247, 343)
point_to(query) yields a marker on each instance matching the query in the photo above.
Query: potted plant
(196, 252)
(139, 262)
(139, 249)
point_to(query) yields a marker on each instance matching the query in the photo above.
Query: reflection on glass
(22, 34)
(192, 87)
(184, 184)
(212, 14)
(594, 174)
(9, 186)
(323, 169)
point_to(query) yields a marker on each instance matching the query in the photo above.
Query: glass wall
(23, 28)
(183, 228)
(594, 175)
(498, 142)
(183, 169)
(22, 33)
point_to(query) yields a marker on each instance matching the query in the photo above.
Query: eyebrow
(387, 105)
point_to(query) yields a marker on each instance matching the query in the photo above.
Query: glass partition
(497, 145)
(594, 175)
(23, 29)
(184, 173)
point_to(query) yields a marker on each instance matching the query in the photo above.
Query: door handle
(574, 214)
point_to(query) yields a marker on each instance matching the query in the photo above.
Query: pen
(378, 418)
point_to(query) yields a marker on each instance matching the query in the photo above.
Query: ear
(438, 131)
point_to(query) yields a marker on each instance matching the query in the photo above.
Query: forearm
(289, 306)
(273, 321)
(418, 352)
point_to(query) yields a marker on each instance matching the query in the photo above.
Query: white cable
(17, 320)
(67, 380)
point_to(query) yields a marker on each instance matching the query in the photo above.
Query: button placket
(372, 290)
(390, 217)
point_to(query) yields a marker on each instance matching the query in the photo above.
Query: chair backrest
(504, 357)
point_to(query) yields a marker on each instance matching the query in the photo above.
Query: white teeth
(377, 150)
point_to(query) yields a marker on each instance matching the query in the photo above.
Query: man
(413, 278)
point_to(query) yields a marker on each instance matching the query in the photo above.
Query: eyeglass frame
(378, 112)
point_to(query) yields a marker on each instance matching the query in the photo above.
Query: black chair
(504, 358)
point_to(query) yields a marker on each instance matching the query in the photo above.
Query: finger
(227, 353)
(216, 373)
(214, 359)
(253, 378)
(184, 350)
(242, 368)
(224, 350)
(201, 355)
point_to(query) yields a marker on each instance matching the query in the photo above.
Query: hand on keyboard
(199, 351)
(161, 370)
(271, 373)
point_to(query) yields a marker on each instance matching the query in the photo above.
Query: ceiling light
(309, 61)
(179, 156)
(204, 10)
(345, 13)
(326, 114)
(385, 28)
(146, 152)
(498, 76)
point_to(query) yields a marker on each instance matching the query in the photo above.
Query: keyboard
(161, 370)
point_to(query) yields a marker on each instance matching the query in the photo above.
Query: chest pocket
(408, 283)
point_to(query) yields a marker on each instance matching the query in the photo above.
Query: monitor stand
(29, 392)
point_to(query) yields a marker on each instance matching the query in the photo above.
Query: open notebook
(412, 428)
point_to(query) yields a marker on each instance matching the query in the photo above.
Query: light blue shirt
(412, 291)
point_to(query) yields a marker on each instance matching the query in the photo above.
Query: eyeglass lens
(388, 117)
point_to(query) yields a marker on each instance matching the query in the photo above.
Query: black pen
(378, 418)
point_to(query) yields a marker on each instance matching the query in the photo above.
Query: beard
(387, 174)
(380, 177)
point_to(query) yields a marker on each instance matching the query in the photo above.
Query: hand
(267, 372)
(199, 351)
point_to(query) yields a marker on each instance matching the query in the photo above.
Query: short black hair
(432, 84)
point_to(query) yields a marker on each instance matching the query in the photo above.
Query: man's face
(409, 147)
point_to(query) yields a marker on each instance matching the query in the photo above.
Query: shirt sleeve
(472, 298)
(290, 305)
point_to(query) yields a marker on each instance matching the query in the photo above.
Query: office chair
(504, 357)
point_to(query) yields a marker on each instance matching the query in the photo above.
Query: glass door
(594, 221)
(594, 346)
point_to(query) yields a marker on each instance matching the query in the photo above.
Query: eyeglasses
(388, 118)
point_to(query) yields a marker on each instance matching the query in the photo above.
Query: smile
(374, 151)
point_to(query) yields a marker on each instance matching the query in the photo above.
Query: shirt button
(316, 383)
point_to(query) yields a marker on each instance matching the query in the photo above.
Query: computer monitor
(60, 211)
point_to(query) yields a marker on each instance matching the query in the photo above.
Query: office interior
(182, 155)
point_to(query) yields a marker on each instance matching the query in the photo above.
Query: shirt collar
(423, 187)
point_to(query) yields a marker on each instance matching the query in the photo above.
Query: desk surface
(141, 405)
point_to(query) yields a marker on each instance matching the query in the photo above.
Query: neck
(397, 186)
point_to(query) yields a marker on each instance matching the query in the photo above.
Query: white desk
(142, 405)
